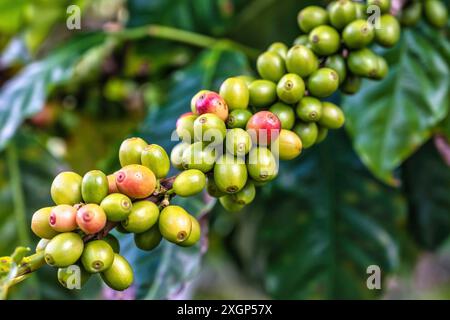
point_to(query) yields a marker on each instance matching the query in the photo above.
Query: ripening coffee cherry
(284, 113)
(263, 93)
(337, 63)
(332, 116)
(117, 207)
(358, 34)
(143, 216)
(324, 40)
(73, 276)
(309, 109)
(156, 159)
(40, 224)
(120, 275)
(41, 245)
(212, 102)
(278, 48)
(302, 40)
(185, 127)
(148, 240)
(290, 88)
(411, 14)
(177, 153)
(112, 187)
(213, 189)
(289, 145)
(388, 33)
(322, 134)
(238, 118)
(363, 63)
(63, 218)
(210, 129)
(384, 5)
(64, 250)
(194, 100)
(195, 235)
(91, 218)
(301, 61)
(341, 13)
(113, 242)
(136, 181)
(351, 84)
(307, 132)
(262, 165)
(270, 66)
(130, 151)
(189, 183)
(229, 204)
(199, 156)
(323, 82)
(97, 256)
(66, 188)
(311, 17)
(94, 187)
(175, 224)
(263, 127)
(238, 142)
(235, 93)
(246, 195)
(230, 173)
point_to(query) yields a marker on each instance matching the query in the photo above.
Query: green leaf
(427, 186)
(25, 94)
(390, 119)
(313, 233)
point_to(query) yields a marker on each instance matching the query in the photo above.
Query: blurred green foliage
(68, 98)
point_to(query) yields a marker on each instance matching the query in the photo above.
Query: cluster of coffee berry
(434, 11)
(133, 199)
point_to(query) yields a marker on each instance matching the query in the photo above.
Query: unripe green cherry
(388, 33)
(177, 153)
(198, 156)
(382, 69)
(246, 195)
(156, 159)
(238, 118)
(143, 216)
(324, 40)
(189, 183)
(302, 40)
(384, 5)
(323, 83)
(363, 63)
(41, 245)
(64, 249)
(309, 109)
(290, 88)
(210, 129)
(94, 187)
(113, 242)
(235, 93)
(322, 134)
(97, 256)
(120, 275)
(332, 116)
(301, 60)
(184, 128)
(66, 188)
(262, 165)
(136, 181)
(289, 145)
(213, 189)
(130, 151)
(230, 174)
(40, 224)
(311, 17)
(238, 142)
(73, 276)
(148, 240)
(63, 218)
(263, 93)
(307, 132)
(247, 79)
(195, 235)
(175, 224)
(270, 66)
(117, 207)
(361, 10)
(284, 113)
(351, 84)
(341, 13)
(229, 204)
(411, 14)
(358, 34)
(278, 48)
(337, 63)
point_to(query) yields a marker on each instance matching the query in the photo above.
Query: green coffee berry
(143, 216)
(66, 188)
(64, 249)
(363, 63)
(209, 128)
(117, 207)
(332, 116)
(195, 235)
(120, 275)
(213, 189)
(388, 33)
(238, 118)
(341, 13)
(230, 174)
(384, 5)
(351, 84)
(284, 113)
(307, 132)
(130, 151)
(290, 88)
(189, 183)
(270, 66)
(148, 240)
(278, 48)
(238, 142)
(262, 165)
(411, 14)
(309, 109)
(289, 145)
(311, 17)
(358, 34)
(94, 187)
(229, 204)
(198, 156)
(177, 154)
(175, 224)
(113, 242)
(235, 93)
(337, 63)
(322, 134)
(246, 195)
(263, 93)
(156, 159)
(301, 61)
(324, 40)
(97, 256)
(323, 82)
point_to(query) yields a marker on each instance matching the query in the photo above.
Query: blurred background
(376, 193)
